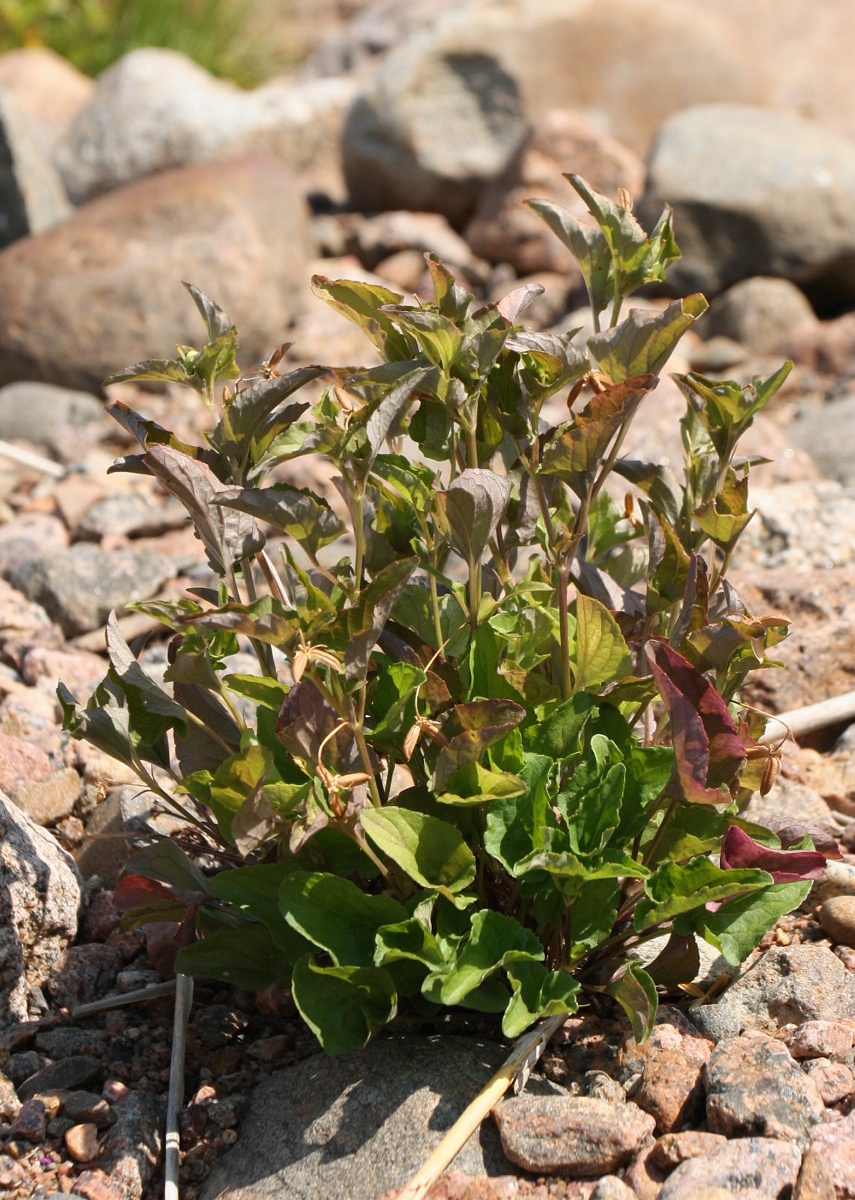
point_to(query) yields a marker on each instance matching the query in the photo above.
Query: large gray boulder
(32, 197)
(40, 898)
(362, 1123)
(446, 109)
(756, 192)
(103, 289)
(156, 108)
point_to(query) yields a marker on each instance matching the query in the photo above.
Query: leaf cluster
(493, 743)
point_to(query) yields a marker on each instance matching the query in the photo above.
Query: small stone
(82, 1143)
(65, 1041)
(268, 1050)
(755, 1088)
(10, 1105)
(114, 1090)
(600, 1086)
(763, 1168)
(611, 1187)
(12, 1174)
(673, 1148)
(22, 1065)
(227, 1113)
(820, 1039)
(833, 1080)
(132, 1147)
(814, 1182)
(133, 979)
(31, 1122)
(643, 1175)
(65, 1075)
(671, 1091)
(87, 1108)
(834, 1144)
(552, 1134)
(837, 917)
(85, 973)
(95, 1185)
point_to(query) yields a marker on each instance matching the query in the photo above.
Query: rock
(610, 1187)
(32, 197)
(129, 514)
(820, 647)
(827, 433)
(814, 1182)
(755, 1089)
(64, 1075)
(755, 192)
(799, 526)
(673, 1148)
(825, 346)
(64, 1041)
(155, 108)
(40, 894)
(446, 109)
(37, 412)
(76, 301)
(132, 1147)
(84, 973)
(18, 617)
(359, 1124)
(10, 1105)
(27, 536)
(760, 313)
(575, 1135)
(787, 985)
(430, 130)
(837, 917)
(762, 1168)
(95, 1185)
(833, 1080)
(668, 1069)
(375, 238)
(81, 586)
(47, 89)
(81, 1141)
(504, 230)
(834, 1146)
(31, 1121)
(643, 1175)
(369, 34)
(820, 1039)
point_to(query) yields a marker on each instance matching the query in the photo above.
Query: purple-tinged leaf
(227, 535)
(707, 748)
(785, 866)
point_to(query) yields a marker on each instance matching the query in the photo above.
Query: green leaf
(254, 889)
(474, 784)
(593, 915)
(439, 336)
(483, 722)
(643, 342)
(591, 805)
(343, 1006)
(676, 888)
(152, 710)
(494, 941)
(269, 693)
(537, 993)
(245, 956)
(576, 450)
(469, 511)
(635, 992)
(588, 246)
(297, 512)
(368, 617)
(515, 826)
(408, 940)
(602, 655)
(432, 852)
(336, 915)
(737, 927)
(363, 303)
(165, 861)
(557, 734)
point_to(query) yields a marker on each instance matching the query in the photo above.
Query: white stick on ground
(175, 1095)
(27, 458)
(516, 1067)
(812, 717)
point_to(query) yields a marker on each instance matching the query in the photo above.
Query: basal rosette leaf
(337, 916)
(635, 992)
(245, 957)
(343, 1006)
(495, 941)
(430, 851)
(676, 888)
(736, 928)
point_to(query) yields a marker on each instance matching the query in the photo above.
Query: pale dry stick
(175, 1095)
(138, 996)
(516, 1067)
(27, 458)
(812, 717)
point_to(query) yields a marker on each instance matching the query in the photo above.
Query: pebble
(65, 1075)
(833, 1080)
(763, 1168)
(820, 1039)
(577, 1134)
(31, 1121)
(837, 917)
(754, 1087)
(673, 1148)
(82, 1142)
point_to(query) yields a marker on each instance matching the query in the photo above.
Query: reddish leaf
(134, 890)
(707, 747)
(785, 866)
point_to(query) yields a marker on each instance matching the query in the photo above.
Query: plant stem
(359, 538)
(474, 592)
(563, 617)
(365, 756)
